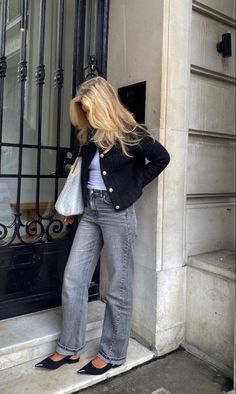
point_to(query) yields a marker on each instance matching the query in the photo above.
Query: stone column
(170, 313)
(150, 41)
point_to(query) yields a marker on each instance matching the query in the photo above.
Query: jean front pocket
(106, 199)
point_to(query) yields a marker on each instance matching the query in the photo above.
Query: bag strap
(74, 165)
(80, 147)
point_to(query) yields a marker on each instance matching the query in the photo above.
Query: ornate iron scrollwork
(22, 71)
(40, 74)
(3, 66)
(93, 68)
(59, 78)
(36, 229)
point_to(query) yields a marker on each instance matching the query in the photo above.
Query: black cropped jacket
(123, 176)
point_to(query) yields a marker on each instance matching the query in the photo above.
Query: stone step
(26, 378)
(220, 262)
(34, 335)
(210, 305)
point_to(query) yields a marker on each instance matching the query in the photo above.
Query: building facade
(171, 63)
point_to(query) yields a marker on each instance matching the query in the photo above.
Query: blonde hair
(107, 121)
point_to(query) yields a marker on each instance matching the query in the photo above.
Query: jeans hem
(115, 361)
(65, 350)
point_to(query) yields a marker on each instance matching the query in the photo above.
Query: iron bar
(28, 145)
(22, 76)
(27, 176)
(79, 43)
(59, 77)
(40, 77)
(3, 63)
(79, 26)
(104, 41)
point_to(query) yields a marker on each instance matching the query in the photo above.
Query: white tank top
(95, 180)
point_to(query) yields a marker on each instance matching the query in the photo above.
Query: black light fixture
(224, 46)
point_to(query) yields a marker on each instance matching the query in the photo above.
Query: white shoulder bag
(70, 200)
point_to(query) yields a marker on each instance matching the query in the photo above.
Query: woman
(113, 149)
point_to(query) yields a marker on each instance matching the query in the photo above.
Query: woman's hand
(69, 219)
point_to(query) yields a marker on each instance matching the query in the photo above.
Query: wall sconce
(224, 46)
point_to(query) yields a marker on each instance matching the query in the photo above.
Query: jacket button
(104, 172)
(117, 207)
(110, 189)
(101, 155)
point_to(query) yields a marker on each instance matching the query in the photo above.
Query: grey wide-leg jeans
(100, 225)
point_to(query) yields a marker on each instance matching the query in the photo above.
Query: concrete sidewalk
(178, 372)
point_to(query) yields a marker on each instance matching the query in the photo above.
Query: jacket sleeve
(158, 158)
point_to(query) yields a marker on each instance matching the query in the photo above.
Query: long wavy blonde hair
(99, 115)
